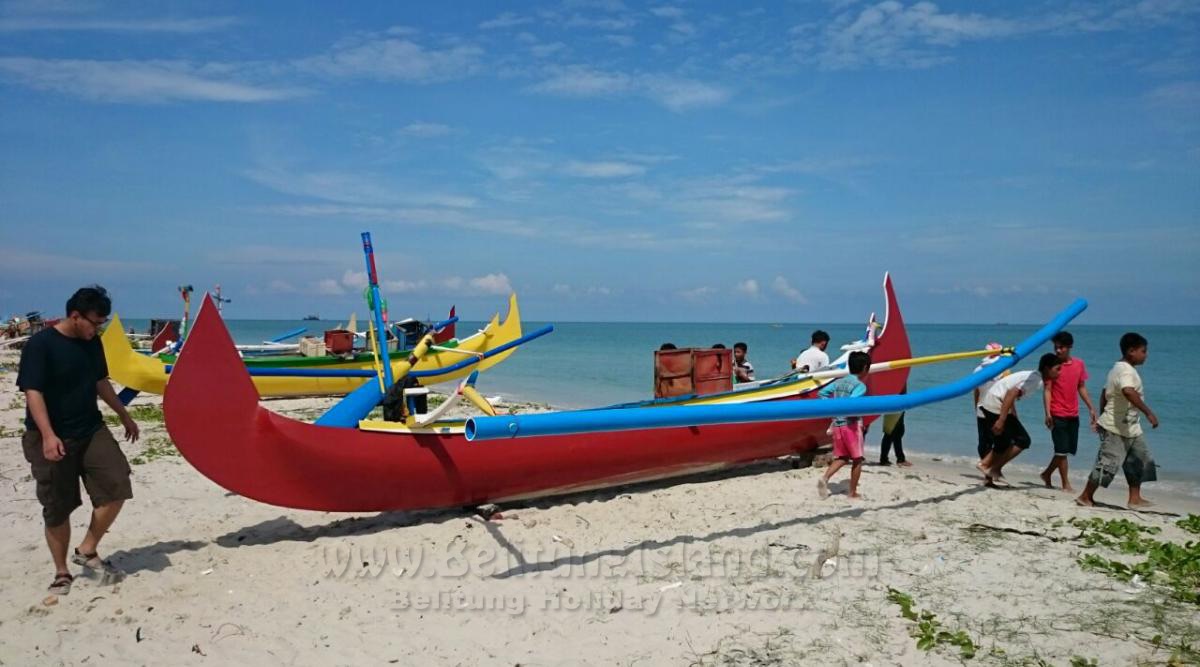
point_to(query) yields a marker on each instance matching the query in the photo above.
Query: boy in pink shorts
(847, 431)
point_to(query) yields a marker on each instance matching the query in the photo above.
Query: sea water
(590, 364)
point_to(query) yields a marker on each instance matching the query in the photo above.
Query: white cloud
(425, 130)
(748, 287)
(784, 289)
(492, 283)
(623, 41)
(395, 59)
(405, 286)
(47, 23)
(667, 12)
(673, 93)
(351, 188)
(609, 169)
(505, 20)
(683, 94)
(545, 50)
(581, 81)
(355, 279)
(561, 288)
(889, 34)
(328, 287)
(280, 287)
(138, 81)
(698, 294)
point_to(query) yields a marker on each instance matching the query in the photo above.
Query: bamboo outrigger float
(149, 374)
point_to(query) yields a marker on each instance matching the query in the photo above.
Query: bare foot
(1135, 504)
(983, 469)
(998, 479)
(823, 487)
(905, 464)
(854, 496)
(1083, 502)
(1067, 488)
(1046, 479)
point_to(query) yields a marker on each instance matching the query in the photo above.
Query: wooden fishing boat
(149, 374)
(215, 419)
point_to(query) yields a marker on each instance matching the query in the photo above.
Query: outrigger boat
(149, 374)
(215, 420)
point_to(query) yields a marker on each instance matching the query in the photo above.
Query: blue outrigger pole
(628, 419)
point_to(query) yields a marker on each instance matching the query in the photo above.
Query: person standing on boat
(1122, 444)
(1062, 408)
(814, 358)
(1008, 436)
(743, 370)
(62, 372)
(847, 431)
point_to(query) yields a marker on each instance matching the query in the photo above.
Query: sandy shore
(741, 567)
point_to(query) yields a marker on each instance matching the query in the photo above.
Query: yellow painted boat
(148, 374)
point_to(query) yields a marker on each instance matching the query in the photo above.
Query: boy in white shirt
(999, 406)
(814, 358)
(1122, 445)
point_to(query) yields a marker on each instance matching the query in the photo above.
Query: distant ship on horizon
(308, 318)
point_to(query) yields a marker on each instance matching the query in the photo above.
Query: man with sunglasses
(62, 373)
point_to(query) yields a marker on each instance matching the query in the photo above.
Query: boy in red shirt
(1062, 408)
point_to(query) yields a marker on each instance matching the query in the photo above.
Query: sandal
(93, 562)
(61, 584)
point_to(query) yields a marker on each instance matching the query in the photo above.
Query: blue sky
(606, 160)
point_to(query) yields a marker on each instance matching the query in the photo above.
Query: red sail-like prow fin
(892, 343)
(446, 333)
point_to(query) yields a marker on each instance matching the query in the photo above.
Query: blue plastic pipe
(290, 334)
(627, 419)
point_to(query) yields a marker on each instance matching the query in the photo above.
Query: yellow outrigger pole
(896, 364)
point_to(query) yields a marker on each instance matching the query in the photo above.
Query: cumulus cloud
(492, 283)
(748, 287)
(355, 279)
(783, 288)
(328, 287)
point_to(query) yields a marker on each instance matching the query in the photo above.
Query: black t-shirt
(65, 370)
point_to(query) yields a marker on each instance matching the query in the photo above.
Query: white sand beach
(740, 567)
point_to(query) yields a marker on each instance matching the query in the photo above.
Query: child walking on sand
(1122, 445)
(847, 431)
(1062, 408)
(1008, 437)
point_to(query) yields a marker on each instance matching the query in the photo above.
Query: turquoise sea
(588, 364)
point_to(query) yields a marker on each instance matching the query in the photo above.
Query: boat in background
(143, 373)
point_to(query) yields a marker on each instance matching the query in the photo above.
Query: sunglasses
(94, 323)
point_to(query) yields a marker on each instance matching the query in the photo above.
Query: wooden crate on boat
(692, 371)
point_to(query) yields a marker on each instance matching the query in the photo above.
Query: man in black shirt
(62, 372)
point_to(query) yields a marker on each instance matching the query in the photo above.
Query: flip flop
(61, 584)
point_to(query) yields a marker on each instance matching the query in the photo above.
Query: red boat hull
(216, 422)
